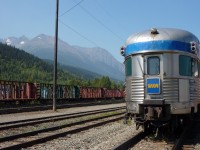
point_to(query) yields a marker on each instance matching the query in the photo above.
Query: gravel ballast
(101, 138)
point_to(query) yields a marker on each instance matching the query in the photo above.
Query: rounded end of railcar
(161, 39)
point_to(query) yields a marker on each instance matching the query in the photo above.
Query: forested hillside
(21, 66)
(18, 65)
(95, 59)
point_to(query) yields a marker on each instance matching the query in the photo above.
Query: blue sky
(102, 23)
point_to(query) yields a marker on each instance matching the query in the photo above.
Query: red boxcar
(113, 93)
(90, 92)
(12, 90)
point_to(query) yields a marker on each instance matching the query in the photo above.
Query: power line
(109, 15)
(101, 23)
(71, 8)
(78, 33)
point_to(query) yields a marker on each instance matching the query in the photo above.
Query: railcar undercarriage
(155, 117)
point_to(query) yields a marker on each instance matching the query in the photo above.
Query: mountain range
(96, 59)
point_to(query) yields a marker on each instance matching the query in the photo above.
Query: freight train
(162, 77)
(15, 91)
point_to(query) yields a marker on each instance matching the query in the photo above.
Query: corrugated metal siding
(170, 89)
(127, 89)
(137, 89)
(194, 89)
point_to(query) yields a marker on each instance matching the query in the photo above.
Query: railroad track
(145, 138)
(48, 107)
(129, 143)
(21, 123)
(189, 138)
(186, 141)
(40, 135)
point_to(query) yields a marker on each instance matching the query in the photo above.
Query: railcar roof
(161, 39)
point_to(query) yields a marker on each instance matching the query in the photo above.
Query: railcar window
(153, 65)
(185, 65)
(128, 66)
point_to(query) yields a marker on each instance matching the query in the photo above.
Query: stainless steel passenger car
(162, 76)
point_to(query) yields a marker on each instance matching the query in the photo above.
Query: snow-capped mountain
(15, 41)
(95, 59)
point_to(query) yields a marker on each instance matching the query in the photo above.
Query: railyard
(90, 127)
(17, 126)
(67, 91)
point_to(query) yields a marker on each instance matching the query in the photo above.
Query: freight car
(45, 91)
(91, 92)
(13, 90)
(100, 93)
(162, 77)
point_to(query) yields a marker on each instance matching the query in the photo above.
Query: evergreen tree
(17, 65)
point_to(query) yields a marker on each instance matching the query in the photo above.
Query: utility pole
(55, 58)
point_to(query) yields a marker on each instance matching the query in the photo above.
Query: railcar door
(153, 76)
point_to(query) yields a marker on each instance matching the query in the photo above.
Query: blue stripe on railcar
(157, 45)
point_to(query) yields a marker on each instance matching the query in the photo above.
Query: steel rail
(131, 141)
(56, 135)
(31, 133)
(48, 107)
(25, 122)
